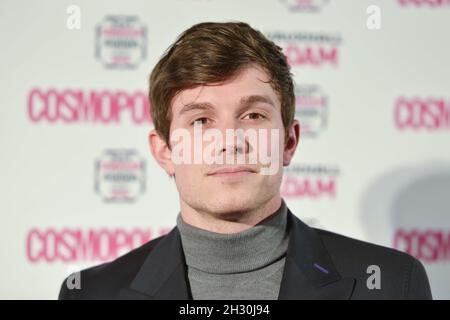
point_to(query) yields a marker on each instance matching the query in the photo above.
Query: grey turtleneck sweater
(243, 265)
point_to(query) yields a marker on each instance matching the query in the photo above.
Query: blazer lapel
(309, 272)
(163, 276)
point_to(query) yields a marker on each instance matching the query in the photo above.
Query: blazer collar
(163, 276)
(309, 272)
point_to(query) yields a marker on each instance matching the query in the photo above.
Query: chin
(230, 203)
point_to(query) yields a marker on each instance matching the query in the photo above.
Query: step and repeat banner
(79, 186)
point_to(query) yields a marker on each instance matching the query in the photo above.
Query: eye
(202, 121)
(254, 116)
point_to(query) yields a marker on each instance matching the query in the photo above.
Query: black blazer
(319, 265)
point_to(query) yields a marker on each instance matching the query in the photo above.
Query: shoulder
(341, 246)
(105, 281)
(400, 274)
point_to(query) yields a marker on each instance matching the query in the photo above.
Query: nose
(234, 141)
(233, 148)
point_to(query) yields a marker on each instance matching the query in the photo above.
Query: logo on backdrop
(308, 49)
(428, 245)
(305, 5)
(120, 175)
(87, 106)
(424, 3)
(311, 108)
(78, 245)
(416, 113)
(310, 181)
(121, 42)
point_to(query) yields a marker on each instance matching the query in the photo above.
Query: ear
(161, 152)
(291, 143)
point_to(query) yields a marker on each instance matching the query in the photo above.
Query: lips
(235, 170)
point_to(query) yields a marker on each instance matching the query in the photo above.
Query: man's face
(223, 187)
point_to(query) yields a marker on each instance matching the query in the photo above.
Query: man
(235, 238)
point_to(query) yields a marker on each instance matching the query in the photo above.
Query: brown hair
(213, 52)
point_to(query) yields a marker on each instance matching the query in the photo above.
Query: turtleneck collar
(244, 251)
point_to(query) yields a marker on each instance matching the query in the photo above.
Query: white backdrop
(78, 183)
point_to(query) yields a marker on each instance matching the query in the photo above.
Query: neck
(250, 250)
(233, 222)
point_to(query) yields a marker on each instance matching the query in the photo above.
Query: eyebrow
(244, 102)
(196, 106)
(249, 100)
